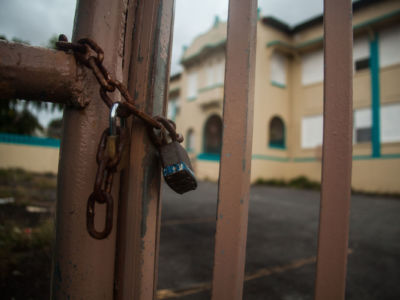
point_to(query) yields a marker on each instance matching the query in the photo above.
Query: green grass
(300, 182)
(304, 183)
(26, 238)
(27, 187)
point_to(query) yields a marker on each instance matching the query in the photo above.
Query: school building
(288, 103)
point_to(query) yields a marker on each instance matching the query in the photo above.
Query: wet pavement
(281, 245)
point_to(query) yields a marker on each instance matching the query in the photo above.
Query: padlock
(124, 145)
(112, 134)
(177, 169)
(117, 144)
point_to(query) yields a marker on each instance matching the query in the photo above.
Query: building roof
(215, 37)
(175, 76)
(381, 20)
(318, 20)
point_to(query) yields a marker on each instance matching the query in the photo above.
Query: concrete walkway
(281, 245)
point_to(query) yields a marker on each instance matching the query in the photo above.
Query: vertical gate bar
(140, 210)
(337, 151)
(83, 268)
(234, 174)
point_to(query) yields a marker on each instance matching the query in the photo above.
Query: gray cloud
(37, 20)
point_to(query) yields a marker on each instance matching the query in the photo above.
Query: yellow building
(288, 103)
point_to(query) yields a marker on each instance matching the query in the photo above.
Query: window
(362, 64)
(213, 135)
(190, 140)
(192, 86)
(389, 45)
(311, 131)
(361, 53)
(276, 133)
(220, 72)
(362, 125)
(278, 69)
(312, 67)
(390, 123)
(215, 73)
(389, 128)
(210, 75)
(172, 108)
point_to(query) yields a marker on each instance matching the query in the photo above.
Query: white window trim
(315, 128)
(192, 83)
(277, 72)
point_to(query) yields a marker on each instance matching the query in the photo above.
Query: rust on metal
(140, 206)
(169, 129)
(83, 267)
(103, 198)
(107, 167)
(108, 160)
(35, 73)
(337, 151)
(234, 175)
(82, 50)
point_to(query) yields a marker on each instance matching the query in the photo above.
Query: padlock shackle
(113, 118)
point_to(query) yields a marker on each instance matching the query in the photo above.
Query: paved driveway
(281, 245)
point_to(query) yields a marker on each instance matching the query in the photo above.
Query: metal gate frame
(136, 36)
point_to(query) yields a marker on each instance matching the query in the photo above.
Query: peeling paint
(150, 165)
(57, 272)
(140, 58)
(149, 90)
(142, 245)
(240, 67)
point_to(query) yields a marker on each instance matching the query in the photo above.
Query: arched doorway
(277, 133)
(213, 135)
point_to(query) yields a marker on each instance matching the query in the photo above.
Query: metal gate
(136, 37)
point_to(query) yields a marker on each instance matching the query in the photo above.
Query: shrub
(300, 182)
(303, 182)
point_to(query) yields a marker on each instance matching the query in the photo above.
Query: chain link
(90, 54)
(107, 167)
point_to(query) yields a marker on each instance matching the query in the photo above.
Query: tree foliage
(54, 129)
(13, 120)
(51, 44)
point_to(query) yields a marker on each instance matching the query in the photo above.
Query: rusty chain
(90, 54)
(83, 51)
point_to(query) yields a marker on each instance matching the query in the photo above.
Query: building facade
(288, 103)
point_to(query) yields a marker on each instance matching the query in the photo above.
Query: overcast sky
(38, 20)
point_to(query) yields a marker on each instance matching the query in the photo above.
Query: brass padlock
(117, 139)
(111, 145)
